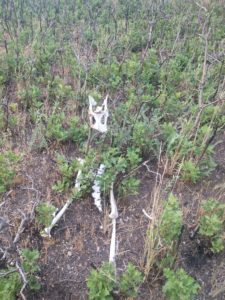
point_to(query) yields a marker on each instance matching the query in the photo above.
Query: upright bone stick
(113, 215)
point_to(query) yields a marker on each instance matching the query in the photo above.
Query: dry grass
(153, 246)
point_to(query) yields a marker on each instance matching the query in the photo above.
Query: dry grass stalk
(153, 246)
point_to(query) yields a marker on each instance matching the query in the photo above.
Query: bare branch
(24, 278)
(21, 228)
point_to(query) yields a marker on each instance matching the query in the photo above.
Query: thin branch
(21, 228)
(7, 273)
(24, 278)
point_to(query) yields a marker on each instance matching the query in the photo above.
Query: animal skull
(99, 116)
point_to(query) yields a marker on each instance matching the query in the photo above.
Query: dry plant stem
(204, 72)
(88, 141)
(23, 276)
(152, 245)
(153, 172)
(136, 169)
(151, 240)
(218, 291)
(21, 228)
(113, 215)
(197, 119)
(199, 5)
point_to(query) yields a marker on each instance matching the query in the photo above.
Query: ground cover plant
(160, 66)
(179, 285)
(211, 224)
(101, 283)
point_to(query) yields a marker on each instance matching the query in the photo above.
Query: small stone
(69, 253)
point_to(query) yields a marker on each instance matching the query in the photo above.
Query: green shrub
(117, 163)
(45, 212)
(190, 172)
(67, 171)
(114, 163)
(77, 132)
(179, 285)
(30, 266)
(129, 186)
(8, 161)
(55, 129)
(101, 282)
(171, 221)
(211, 223)
(10, 285)
(130, 281)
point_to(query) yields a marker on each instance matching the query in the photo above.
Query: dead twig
(218, 291)
(153, 172)
(7, 273)
(24, 278)
(21, 228)
(204, 71)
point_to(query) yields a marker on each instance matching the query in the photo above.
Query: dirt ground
(81, 239)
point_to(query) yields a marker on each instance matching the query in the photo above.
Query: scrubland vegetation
(162, 65)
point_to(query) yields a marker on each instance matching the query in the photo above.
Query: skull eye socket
(93, 120)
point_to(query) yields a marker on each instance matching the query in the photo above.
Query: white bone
(96, 188)
(112, 253)
(98, 117)
(113, 215)
(114, 211)
(47, 230)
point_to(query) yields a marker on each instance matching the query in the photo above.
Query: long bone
(47, 230)
(113, 215)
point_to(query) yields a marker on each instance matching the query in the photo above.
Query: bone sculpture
(98, 115)
(96, 188)
(113, 215)
(47, 230)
